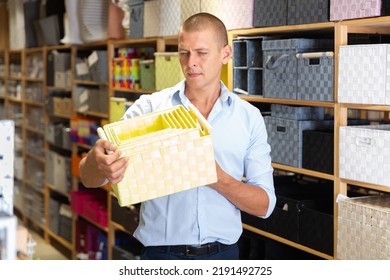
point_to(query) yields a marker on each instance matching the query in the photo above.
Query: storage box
(316, 76)
(128, 217)
(136, 20)
(147, 74)
(168, 69)
(364, 153)
(168, 152)
(280, 64)
(307, 11)
(174, 12)
(286, 138)
(152, 13)
(364, 228)
(235, 14)
(364, 75)
(270, 13)
(299, 113)
(350, 9)
(318, 150)
(7, 138)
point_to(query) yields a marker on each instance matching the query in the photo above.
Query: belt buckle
(188, 250)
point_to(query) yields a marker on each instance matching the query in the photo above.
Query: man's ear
(226, 54)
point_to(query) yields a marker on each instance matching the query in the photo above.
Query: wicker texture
(315, 81)
(286, 138)
(168, 70)
(281, 64)
(269, 13)
(307, 11)
(168, 152)
(299, 113)
(364, 228)
(364, 153)
(364, 75)
(152, 14)
(349, 9)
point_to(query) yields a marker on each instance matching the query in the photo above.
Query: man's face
(201, 57)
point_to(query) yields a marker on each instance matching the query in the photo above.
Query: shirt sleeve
(258, 165)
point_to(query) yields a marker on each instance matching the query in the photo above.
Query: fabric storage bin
(364, 153)
(280, 64)
(54, 214)
(364, 75)
(236, 14)
(270, 13)
(307, 11)
(16, 23)
(98, 69)
(316, 76)
(174, 12)
(292, 195)
(318, 150)
(147, 74)
(136, 20)
(299, 113)
(117, 108)
(128, 217)
(168, 69)
(350, 9)
(93, 20)
(364, 228)
(286, 138)
(63, 175)
(151, 142)
(152, 11)
(316, 228)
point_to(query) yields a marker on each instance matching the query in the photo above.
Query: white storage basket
(364, 74)
(365, 154)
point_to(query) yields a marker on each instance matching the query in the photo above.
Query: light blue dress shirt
(202, 214)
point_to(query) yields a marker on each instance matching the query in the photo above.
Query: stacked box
(248, 65)
(307, 11)
(350, 9)
(270, 13)
(303, 213)
(235, 14)
(299, 113)
(364, 228)
(364, 75)
(147, 74)
(364, 153)
(280, 64)
(137, 18)
(318, 150)
(286, 138)
(152, 13)
(316, 76)
(168, 69)
(174, 12)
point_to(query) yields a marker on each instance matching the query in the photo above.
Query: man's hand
(102, 162)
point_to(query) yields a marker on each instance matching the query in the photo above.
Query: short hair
(202, 21)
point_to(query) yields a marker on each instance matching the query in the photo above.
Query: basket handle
(314, 55)
(102, 135)
(202, 121)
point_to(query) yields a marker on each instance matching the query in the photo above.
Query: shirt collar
(180, 98)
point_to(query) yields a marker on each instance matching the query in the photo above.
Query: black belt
(195, 250)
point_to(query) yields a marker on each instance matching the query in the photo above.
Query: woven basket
(364, 228)
(169, 151)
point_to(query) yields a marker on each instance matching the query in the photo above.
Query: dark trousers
(157, 253)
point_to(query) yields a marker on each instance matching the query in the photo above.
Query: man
(204, 222)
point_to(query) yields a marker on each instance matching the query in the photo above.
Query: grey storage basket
(316, 76)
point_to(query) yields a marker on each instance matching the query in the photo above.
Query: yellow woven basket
(169, 151)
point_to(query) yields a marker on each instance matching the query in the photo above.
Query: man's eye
(202, 53)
